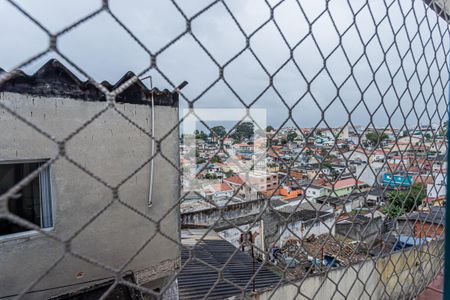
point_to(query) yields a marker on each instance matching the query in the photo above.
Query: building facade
(94, 183)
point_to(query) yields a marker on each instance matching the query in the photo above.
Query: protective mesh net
(353, 167)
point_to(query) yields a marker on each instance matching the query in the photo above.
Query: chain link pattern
(418, 82)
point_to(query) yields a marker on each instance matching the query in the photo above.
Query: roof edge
(53, 79)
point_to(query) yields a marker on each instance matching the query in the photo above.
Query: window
(34, 200)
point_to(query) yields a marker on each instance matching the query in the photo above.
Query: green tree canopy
(375, 138)
(200, 135)
(215, 159)
(218, 131)
(401, 202)
(243, 130)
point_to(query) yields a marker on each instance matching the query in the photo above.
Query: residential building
(397, 180)
(343, 204)
(66, 195)
(305, 219)
(314, 191)
(345, 187)
(218, 191)
(438, 188)
(426, 223)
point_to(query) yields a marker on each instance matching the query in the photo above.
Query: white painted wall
(306, 229)
(390, 277)
(438, 188)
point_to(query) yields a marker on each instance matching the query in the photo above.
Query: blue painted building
(397, 180)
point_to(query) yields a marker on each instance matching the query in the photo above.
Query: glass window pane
(29, 200)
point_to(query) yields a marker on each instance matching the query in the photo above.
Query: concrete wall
(305, 229)
(401, 275)
(318, 193)
(275, 232)
(370, 174)
(367, 232)
(233, 235)
(111, 148)
(208, 216)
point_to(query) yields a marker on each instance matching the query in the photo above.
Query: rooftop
(56, 80)
(199, 277)
(347, 182)
(436, 215)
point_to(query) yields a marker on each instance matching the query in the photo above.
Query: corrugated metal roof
(55, 79)
(197, 279)
(435, 216)
(96, 291)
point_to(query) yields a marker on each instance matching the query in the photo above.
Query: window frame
(51, 201)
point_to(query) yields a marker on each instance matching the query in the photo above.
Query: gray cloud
(401, 63)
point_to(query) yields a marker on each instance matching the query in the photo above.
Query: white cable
(150, 191)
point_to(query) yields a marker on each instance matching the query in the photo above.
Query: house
(289, 191)
(72, 180)
(260, 180)
(343, 204)
(439, 186)
(364, 227)
(235, 182)
(358, 154)
(243, 149)
(303, 220)
(228, 142)
(426, 223)
(378, 155)
(409, 140)
(253, 182)
(218, 191)
(345, 187)
(439, 163)
(439, 147)
(397, 180)
(314, 191)
(375, 197)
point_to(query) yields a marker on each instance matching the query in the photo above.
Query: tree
(200, 135)
(200, 161)
(243, 130)
(375, 138)
(218, 131)
(269, 128)
(291, 136)
(327, 165)
(210, 176)
(401, 202)
(215, 159)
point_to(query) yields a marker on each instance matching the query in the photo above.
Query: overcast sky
(105, 51)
